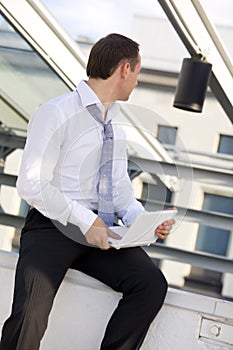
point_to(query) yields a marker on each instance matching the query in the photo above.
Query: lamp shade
(192, 84)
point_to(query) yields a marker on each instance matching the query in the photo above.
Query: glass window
(214, 241)
(225, 144)
(211, 239)
(167, 134)
(26, 80)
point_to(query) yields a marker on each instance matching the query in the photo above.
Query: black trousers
(44, 258)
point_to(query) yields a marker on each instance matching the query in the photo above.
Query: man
(60, 179)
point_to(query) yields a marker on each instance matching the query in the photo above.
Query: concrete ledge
(83, 306)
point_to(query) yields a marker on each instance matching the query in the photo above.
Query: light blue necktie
(104, 188)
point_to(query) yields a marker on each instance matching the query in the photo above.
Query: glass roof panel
(26, 80)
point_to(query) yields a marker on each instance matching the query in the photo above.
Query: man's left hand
(163, 230)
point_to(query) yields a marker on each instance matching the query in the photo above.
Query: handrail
(159, 251)
(209, 218)
(182, 171)
(205, 260)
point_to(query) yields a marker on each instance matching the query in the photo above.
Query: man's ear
(125, 69)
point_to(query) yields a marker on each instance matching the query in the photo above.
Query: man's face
(131, 80)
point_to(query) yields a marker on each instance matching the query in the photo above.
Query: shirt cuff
(82, 217)
(129, 215)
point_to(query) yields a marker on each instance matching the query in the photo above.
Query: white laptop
(142, 231)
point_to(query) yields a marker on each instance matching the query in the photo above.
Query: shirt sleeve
(46, 132)
(126, 206)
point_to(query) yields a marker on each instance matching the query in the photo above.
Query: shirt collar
(88, 97)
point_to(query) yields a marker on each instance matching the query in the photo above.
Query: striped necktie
(104, 187)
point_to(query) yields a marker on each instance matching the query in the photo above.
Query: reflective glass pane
(225, 144)
(211, 239)
(167, 134)
(26, 81)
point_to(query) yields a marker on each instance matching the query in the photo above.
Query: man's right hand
(98, 234)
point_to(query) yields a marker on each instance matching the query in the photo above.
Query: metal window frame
(38, 27)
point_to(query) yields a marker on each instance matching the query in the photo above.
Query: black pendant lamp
(192, 84)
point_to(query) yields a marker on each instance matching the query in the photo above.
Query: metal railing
(219, 220)
(161, 251)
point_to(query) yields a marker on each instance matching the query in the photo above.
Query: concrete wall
(83, 306)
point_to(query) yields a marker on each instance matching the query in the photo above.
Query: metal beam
(157, 251)
(204, 260)
(181, 171)
(22, 114)
(12, 141)
(47, 37)
(219, 93)
(8, 180)
(11, 220)
(223, 221)
(219, 220)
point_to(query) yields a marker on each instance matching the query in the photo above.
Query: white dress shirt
(59, 169)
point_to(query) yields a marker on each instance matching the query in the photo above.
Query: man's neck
(104, 90)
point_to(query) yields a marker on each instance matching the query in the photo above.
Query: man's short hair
(108, 53)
